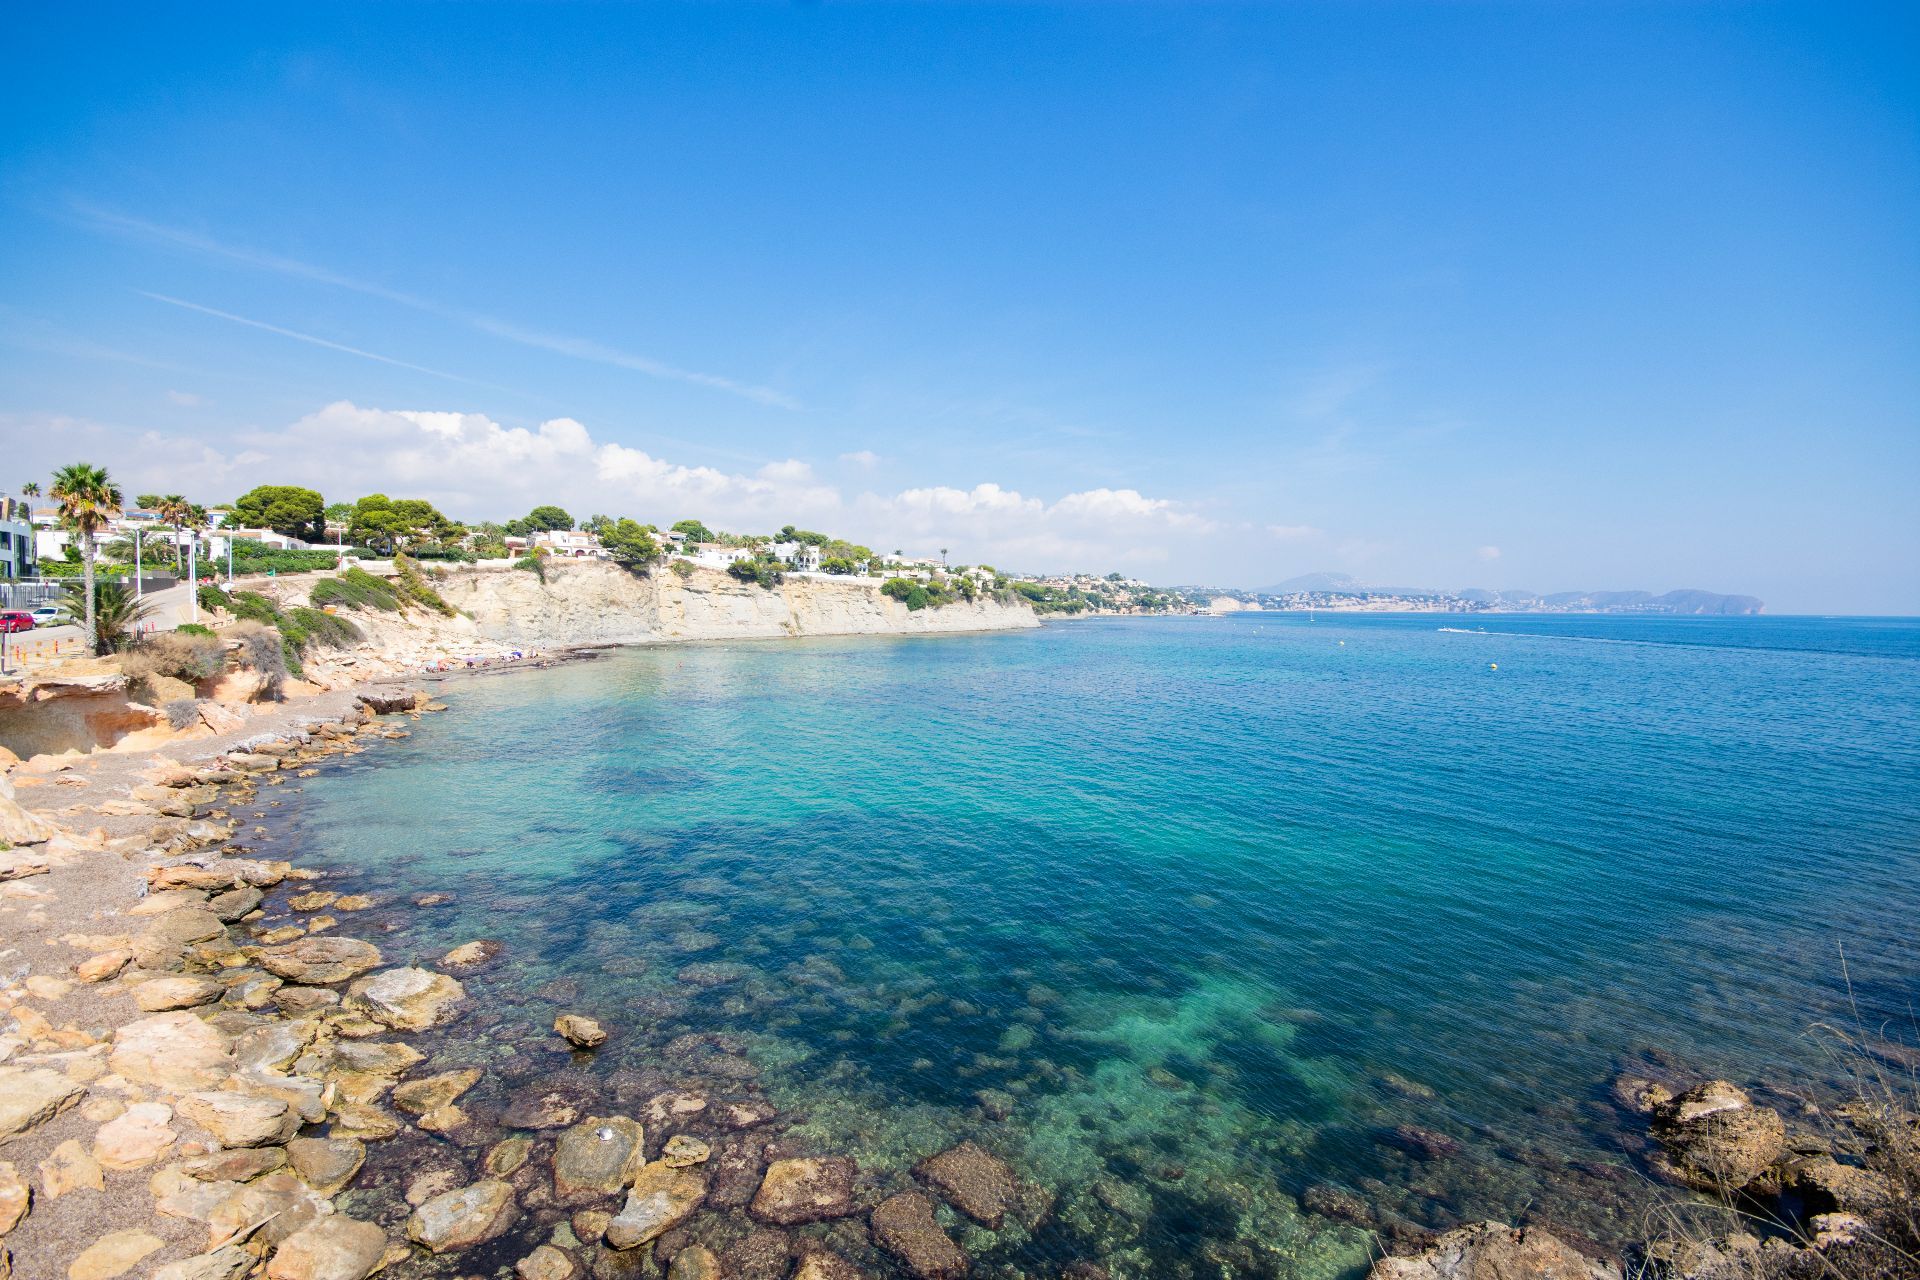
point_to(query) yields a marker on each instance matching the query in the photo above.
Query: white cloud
(1295, 532)
(185, 399)
(1488, 553)
(862, 458)
(475, 468)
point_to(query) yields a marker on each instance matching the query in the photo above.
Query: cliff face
(593, 602)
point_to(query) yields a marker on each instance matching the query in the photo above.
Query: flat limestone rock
(114, 1254)
(320, 962)
(241, 1119)
(326, 1164)
(463, 1218)
(973, 1180)
(31, 1096)
(407, 999)
(661, 1198)
(15, 1196)
(136, 1137)
(903, 1225)
(175, 1051)
(805, 1190)
(68, 1167)
(161, 994)
(430, 1093)
(228, 1262)
(596, 1158)
(335, 1247)
(1494, 1251)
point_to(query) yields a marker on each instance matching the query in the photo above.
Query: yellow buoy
(1493, 666)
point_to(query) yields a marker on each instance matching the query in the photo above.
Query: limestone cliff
(593, 602)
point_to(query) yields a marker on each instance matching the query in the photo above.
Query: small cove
(1199, 925)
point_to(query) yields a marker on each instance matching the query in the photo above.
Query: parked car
(15, 620)
(48, 615)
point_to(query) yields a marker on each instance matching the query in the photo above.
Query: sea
(1252, 944)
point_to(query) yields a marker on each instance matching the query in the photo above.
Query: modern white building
(573, 544)
(19, 556)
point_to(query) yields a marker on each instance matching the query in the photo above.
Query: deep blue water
(1181, 916)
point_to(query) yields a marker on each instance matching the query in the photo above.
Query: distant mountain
(1686, 601)
(1314, 582)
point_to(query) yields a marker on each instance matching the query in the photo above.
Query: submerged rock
(973, 1180)
(761, 1254)
(1715, 1139)
(661, 1197)
(553, 1106)
(903, 1225)
(546, 1262)
(824, 1264)
(805, 1190)
(460, 1219)
(596, 1158)
(695, 1262)
(1494, 1251)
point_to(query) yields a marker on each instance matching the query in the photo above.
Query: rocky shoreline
(201, 1055)
(213, 1068)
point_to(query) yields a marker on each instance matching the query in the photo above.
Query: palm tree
(943, 557)
(196, 520)
(88, 499)
(31, 489)
(115, 611)
(174, 511)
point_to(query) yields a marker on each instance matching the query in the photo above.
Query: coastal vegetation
(763, 567)
(290, 510)
(355, 588)
(88, 499)
(111, 611)
(415, 587)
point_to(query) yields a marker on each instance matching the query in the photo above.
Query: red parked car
(15, 620)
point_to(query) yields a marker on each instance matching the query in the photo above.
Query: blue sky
(1536, 296)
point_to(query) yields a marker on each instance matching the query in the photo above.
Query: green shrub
(535, 563)
(682, 568)
(192, 629)
(908, 592)
(251, 606)
(763, 569)
(416, 588)
(210, 596)
(254, 557)
(356, 589)
(313, 629)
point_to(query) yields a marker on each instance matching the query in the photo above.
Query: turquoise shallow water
(1184, 918)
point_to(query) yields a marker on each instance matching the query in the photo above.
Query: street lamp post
(193, 576)
(138, 592)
